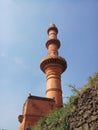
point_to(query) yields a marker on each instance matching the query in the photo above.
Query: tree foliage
(93, 80)
(56, 120)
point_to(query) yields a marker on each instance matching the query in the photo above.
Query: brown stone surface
(85, 116)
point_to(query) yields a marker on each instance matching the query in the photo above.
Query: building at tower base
(34, 109)
(53, 66)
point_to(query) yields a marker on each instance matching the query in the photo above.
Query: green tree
(93, 80)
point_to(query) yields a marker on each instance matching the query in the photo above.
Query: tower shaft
(53, 84)
(53, 66)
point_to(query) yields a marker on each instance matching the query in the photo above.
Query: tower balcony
(54, 61)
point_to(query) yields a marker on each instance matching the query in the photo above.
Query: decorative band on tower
(53, 66)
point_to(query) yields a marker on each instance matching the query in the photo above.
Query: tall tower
(53, 66)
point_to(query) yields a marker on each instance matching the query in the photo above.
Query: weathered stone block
(85, 127)
(93, 118)
(80, 128)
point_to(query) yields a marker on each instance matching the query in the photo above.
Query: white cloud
(19, 61)
(14, 60)
(2, 54)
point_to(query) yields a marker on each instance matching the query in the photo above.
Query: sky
(23, 34)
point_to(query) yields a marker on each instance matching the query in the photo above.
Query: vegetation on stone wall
(92, 81)
(59, 119)
(85, 115)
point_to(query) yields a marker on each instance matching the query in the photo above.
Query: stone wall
(85, 115)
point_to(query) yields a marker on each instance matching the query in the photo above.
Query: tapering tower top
(52, 27)
(52, 35)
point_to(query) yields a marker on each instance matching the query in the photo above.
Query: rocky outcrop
(85, 115)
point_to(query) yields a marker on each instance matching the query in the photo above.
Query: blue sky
(23, 33)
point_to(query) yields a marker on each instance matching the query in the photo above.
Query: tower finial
(52, 26)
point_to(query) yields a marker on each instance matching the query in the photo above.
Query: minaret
(53, 66)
